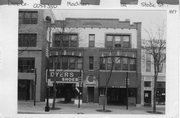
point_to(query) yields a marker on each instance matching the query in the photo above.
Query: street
(27, 107)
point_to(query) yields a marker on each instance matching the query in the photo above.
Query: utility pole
(47, 108)
(127, 90)
(35, 79)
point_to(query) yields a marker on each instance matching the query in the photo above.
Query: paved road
(27, 107)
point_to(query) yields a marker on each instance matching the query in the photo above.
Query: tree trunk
(155, 82)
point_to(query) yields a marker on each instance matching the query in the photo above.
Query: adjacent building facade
(148, 81)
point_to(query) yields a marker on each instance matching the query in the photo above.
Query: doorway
(90, 94)
(147, 98)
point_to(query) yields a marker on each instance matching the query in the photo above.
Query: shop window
(132, 64)
(117, 63)
(147, 84)
(27, 40)
(91, 63)
(64, 63)
(102, 63)
(126, 41)
(26, 65)
(28, 17)
(91, 40)
(132, 92)
(125, 64)
(148, 63)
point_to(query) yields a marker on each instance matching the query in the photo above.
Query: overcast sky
(150, 18)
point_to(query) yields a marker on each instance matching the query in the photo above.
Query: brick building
(88, 46)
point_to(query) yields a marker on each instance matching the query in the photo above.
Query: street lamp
(47, 108)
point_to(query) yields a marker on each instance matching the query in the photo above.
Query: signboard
(65, 76)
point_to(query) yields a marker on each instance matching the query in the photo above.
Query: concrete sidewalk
(27, 107)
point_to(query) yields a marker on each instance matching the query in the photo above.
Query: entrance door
(68, 92)
(23, 89)
(91, 94)
(147, 98)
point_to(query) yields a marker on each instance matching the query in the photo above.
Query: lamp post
(47, 108)
(79, 89)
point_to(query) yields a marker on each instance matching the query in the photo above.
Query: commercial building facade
(80, 59)
(98, 42)
(148, 81)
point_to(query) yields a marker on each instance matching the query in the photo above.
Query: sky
(151, 19)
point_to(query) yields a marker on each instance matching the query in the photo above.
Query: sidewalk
(86, 108)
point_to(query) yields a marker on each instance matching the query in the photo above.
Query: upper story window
(26, 65)
(147, 83)
(118, 41)
(65, 40)
(148, 63)
(66, 62)
(27, 40)
(28, 17)
(91, 40)
(91, 63)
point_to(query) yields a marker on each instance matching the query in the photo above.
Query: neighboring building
(147, 85)
(82, 55)
(31, 54)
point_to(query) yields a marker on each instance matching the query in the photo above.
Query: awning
(118, 79)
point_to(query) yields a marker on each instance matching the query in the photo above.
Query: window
(91, 63)
(64, 62)
(28, 17)
(73, 40)
(126, 41)
(117, 63)
(132, 64)
(27, 40)
(58, 63)
(147, 84)
(109, 63)
(72, 62)
(160, 68)
(109, 41)
(65, 40)
(148, 63)
(102, 63)
(125, 64)
(26, 65)
(117, 41)
(91, 40)
(79, 63)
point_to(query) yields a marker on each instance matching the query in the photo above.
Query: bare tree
(155, 46)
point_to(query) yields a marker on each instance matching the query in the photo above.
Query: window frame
(91, 40)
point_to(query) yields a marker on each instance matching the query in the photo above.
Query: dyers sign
(64, 76)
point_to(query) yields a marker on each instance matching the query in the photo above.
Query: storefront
(67, 83)
(25, 89)
(117, 91)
